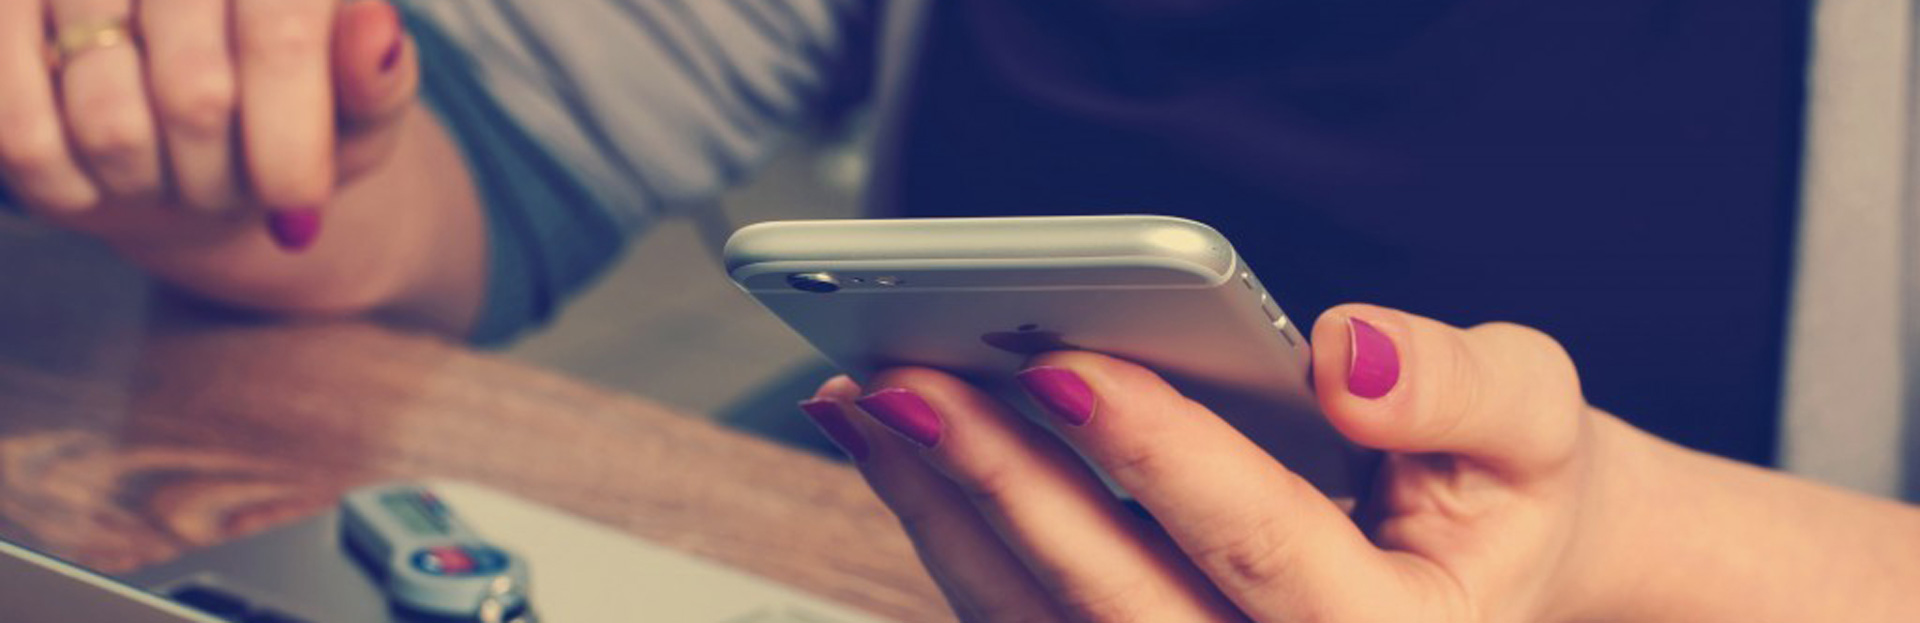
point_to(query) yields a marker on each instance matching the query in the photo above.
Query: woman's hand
(1500, 498)
(201, 139)
(162, 123)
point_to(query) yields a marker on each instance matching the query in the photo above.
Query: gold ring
(72, 41)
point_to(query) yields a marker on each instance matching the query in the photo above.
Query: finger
(373, 63)
(286, 100)
(35, 160)
(189, 63)
(1095, 557)
(1500, 394)
(1272, 542)
(980, 577)
(377, 75)
(104, 92)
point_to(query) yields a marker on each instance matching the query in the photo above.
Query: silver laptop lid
(35, 588)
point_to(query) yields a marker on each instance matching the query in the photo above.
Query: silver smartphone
(978, 297)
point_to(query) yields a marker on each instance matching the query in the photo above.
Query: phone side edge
(1057, 240)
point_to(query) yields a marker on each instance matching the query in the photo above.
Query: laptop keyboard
(227, 606)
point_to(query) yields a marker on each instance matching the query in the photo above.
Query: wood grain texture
(194, 431)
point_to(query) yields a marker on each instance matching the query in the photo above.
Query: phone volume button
(1286, 330)
(1279, 319)
(1272, 310)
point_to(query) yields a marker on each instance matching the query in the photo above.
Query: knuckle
(1540, 363)
(1254, 553)
(30, 150)
(990, 487)
(921, 520)
(116, 125)
(91, 102)
(1458, 392)
(1552, 358)
(1520, 336)
(116, 139)
(909, 377)
(59, 199)
(1104, 603)
(68, 203)
(207, 197)
(201, 105)
(38, 162)
(1134, 463)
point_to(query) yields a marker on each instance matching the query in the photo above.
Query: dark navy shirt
(1618, 174)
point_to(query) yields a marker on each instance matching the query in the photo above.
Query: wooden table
(125, 447)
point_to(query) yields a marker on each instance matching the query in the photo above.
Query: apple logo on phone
(1028, 339)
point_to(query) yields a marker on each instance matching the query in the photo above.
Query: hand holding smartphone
(977, 297)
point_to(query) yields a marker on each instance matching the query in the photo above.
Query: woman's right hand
(222, 115)
(1502, 498)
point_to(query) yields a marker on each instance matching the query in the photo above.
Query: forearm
(1725, 541)
(405, 243)
(698, 93)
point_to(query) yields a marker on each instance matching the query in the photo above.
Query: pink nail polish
(391, 58)
(1373, 366)
(827, 415)
(906, 413)
(294, 230)
(1061, 391)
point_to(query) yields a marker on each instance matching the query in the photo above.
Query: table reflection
(136, 425)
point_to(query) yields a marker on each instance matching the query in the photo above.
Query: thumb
(1500, 394)
(374, 65)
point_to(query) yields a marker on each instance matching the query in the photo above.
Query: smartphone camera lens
(817, 283)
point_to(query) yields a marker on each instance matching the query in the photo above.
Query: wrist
(1624, 521)
(1698, 538)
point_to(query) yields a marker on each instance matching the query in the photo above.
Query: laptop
(581, 572)
(35, 588)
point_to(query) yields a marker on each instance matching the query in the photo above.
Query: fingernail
(906, 413)
(1060, 391)
(294, 230)
(1373, 366)
(827, 415)
(391, 58)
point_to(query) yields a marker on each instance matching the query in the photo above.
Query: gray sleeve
(582, 120)
(657, 104)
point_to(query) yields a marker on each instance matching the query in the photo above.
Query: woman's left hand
(1501, 497)
(179, 126)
